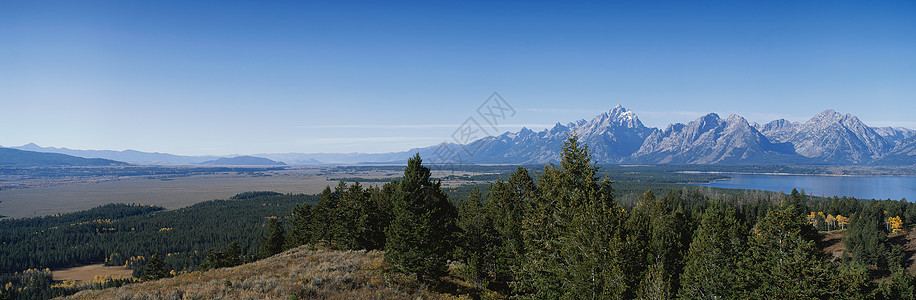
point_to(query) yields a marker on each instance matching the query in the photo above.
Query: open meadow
(89, 272)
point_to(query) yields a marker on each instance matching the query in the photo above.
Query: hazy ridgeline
(559, 231)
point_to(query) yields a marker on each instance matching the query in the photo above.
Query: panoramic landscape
(545, 150)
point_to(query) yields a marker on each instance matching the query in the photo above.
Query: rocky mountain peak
(617, 116)
(734, 119)
(827, 116)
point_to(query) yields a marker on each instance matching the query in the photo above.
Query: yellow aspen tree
(842, 221)
(831, 222)
(895, 224)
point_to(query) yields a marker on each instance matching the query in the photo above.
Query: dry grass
(295, 274)
(88, 273)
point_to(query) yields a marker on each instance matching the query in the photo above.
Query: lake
(863, 187)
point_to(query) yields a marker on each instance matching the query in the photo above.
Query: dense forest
(558, 232)
(562, 234)
(127, 235)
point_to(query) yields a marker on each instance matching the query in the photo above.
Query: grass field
(296, 274)
(88, 273)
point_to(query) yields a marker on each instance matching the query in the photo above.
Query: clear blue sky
(225, 77)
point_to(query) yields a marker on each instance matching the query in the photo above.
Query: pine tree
(656, 283)
(223, 259)
(853, 282)
(670, 238)
(420, 235)
(784, 261)
(233, 254)
(478, 241)
(155, 268)
(570, 234)
(713, 257)
(300, 234)
(324, 217)
(635, 253)
(901, 285)
(374, 222)
(797, 201)
(866, 238)
(507, 203)
(352, 206)
(275, 240)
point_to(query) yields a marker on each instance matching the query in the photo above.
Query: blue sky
(234, 77)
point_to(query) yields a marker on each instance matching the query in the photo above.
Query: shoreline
(798, 174)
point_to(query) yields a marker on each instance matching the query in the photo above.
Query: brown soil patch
(87, 273)
(833, 243)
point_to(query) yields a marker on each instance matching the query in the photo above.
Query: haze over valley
(457, 150)
(618, 136)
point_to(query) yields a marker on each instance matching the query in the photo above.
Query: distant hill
(131, 156)
(20, 158)
(243, 161)
(292, 158)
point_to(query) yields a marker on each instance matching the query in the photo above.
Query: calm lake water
(863, 187)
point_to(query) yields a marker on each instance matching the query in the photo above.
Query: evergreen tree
(507, 203)
(783, 260)
(656, 284)
(420, 235)
(371, 219)
(301, 220)
(223, 259)
(853, 282)
(901, 285)
(635, 253)
(275, 240)
(713, 257)
(570, 235)
(478, 241)
(233, 254)
(376, 220)
(866, 237)
(325, 217)
(155, 268)
(670, 238)
(352, 207)
(797, 200)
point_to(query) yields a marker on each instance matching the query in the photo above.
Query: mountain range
(619, 137)
(21, 158)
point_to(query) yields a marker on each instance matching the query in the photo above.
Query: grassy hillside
(20, 158)
(295, 274)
